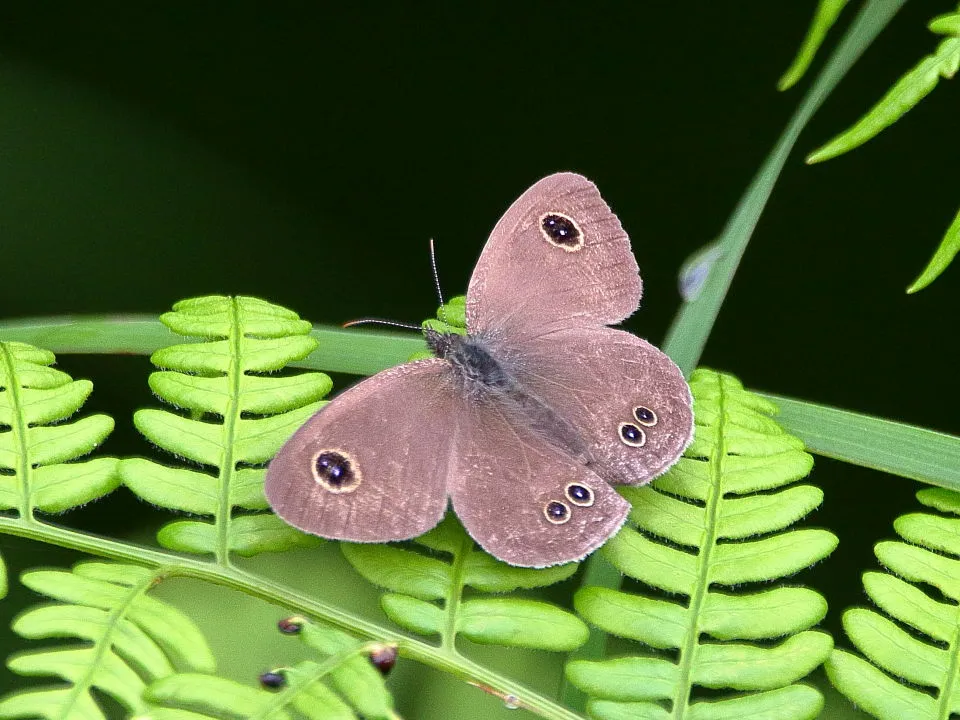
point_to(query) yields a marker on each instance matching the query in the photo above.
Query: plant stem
(175, 565)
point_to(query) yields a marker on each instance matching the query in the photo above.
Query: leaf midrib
(690, 648)
(103, 645)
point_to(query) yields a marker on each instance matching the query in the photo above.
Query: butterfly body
(481, 376)
(525, 423)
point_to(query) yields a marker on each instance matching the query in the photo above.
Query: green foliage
(948, 249)
(344, 686)
(451, 316)
(239, 417)
(696, 533)
(909, 90)
(906, 93)
(718, 519)
(428, 595)
(826, 15)
(693, 324)
(912, 645)
(127, 639)
(38, 451)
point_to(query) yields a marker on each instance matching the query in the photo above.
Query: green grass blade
(358, 352)
(897, 448)
(693, 324)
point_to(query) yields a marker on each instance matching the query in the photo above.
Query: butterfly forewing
(558, 258)
(373, 464)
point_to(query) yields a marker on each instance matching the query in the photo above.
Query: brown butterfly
(525, 423)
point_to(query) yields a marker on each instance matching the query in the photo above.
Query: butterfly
(525, 423)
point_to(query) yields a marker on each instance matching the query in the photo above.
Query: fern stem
(18, 427)
(228, 466)
(102, 648)
(691, 646)
(598, 572)
(452, 605)
(169, 564)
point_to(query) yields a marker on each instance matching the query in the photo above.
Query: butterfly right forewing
(557, 258)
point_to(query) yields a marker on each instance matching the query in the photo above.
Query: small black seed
(272, 680)
(290, 625)
(384, 657)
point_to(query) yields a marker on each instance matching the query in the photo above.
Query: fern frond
(38, 451)
(127, 640)
(427, 592)
(913, 645)
(239, 417)
(906, 93)
(717, 520)
(343, 686)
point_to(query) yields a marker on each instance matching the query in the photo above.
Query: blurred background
(305, 153)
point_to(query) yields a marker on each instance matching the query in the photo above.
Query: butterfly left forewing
(373, 464)
(526, 501)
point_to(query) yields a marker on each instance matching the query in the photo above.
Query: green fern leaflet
(429, 593)
(715, 522)
(904, 95)
(927, 655)
(38, 467)
(127, 639)
(238, 417)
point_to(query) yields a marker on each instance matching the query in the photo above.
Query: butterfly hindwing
(626, 398)
(524, 500)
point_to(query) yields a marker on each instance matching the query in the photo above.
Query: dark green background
(305, 153)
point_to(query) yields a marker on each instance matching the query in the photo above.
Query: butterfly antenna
(378, 321)
(436, 277)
